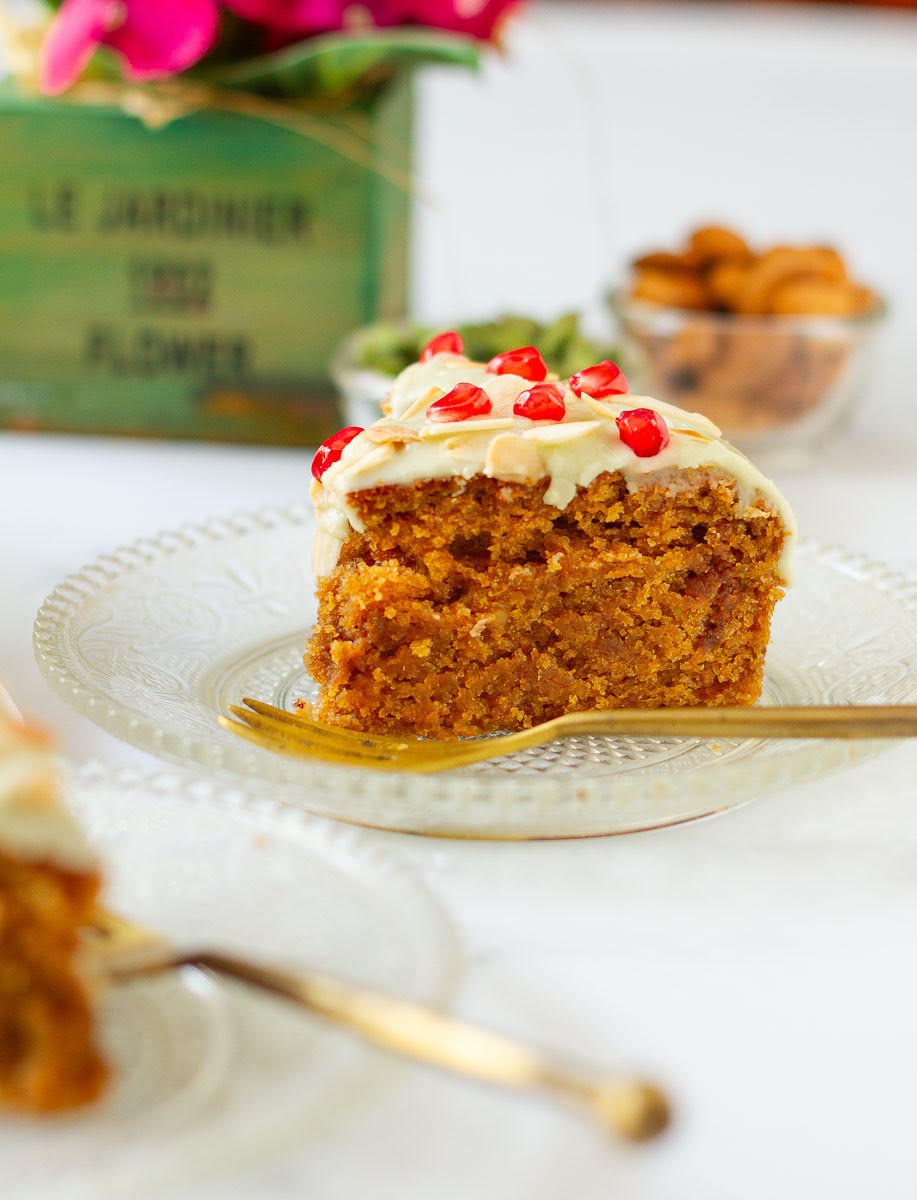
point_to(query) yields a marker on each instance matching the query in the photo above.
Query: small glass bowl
(362, 389)
(776, 386)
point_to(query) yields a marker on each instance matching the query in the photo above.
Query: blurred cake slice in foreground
(49, 882)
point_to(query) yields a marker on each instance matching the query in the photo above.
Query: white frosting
(404, 446)
(34, 825)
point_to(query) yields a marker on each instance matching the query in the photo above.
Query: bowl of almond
(773, 345)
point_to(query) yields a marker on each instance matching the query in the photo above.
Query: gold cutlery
(633, 1109)
(295, 733)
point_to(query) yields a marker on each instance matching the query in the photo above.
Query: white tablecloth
(761, 964)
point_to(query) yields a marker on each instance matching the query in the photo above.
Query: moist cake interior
(470, 606)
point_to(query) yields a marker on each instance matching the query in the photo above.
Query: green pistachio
(389, 347)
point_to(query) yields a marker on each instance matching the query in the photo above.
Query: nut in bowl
(772, 346)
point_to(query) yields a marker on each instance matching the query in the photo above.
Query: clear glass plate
(209, 1075)
(152, 642)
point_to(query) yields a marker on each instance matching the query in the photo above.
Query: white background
(763, 964)
(607, 129)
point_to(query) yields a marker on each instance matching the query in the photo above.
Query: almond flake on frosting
(354, 468)
(600, 409)
(556, 435)
(442, 429)
(512, 458)
(422, 403)
(468, 448)
(503, 391)
(394, 434)
(612, 407)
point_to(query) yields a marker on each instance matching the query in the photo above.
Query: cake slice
(501, 548)
(49, 881)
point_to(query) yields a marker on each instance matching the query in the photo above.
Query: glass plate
(152, 642)
(210, 1075)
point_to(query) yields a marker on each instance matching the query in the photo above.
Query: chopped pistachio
(389, 347)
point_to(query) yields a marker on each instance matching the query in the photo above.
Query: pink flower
(292, 16)
(321, 16)
(475, 18)
(154, 37)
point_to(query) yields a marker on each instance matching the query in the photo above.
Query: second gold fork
(634, 1109)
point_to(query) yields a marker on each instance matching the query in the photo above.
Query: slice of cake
(49, 882)
(501, 548)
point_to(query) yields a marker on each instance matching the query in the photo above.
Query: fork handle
(802, 721)
(633, 1109)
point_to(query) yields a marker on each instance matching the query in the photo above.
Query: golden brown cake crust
(468, 606)
(48, 1056)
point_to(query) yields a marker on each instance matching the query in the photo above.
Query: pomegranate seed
(543, 402)
(604, 379)
(463, 402)
(332, 448)
(445, 343)
(643, 430)
(525, 362)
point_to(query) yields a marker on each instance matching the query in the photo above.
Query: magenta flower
(475, 18)
(321, 16)
(153, 37)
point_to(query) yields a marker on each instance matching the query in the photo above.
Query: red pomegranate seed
(543, 402)
(445, 343)
(525, 362)
(461, 404)
(332, 448)
(604, 379)
(643, 430)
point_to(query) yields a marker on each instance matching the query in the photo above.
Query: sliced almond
(692, 433)
(469, 448)
(511, 457)
(439, 429)
(562, 432)
(422, 403)
(366, 463)
(601, 409)
(503, 391)
(393, 433)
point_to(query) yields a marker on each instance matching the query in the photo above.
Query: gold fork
(631, 1108)
(295, 733)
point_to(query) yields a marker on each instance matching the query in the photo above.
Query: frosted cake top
(448, 416)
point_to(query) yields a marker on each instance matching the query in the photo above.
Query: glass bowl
(362, 389)
(776, 386)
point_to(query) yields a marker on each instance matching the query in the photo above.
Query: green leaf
(336, 64)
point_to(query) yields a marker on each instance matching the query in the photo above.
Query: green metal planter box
(190, 281)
